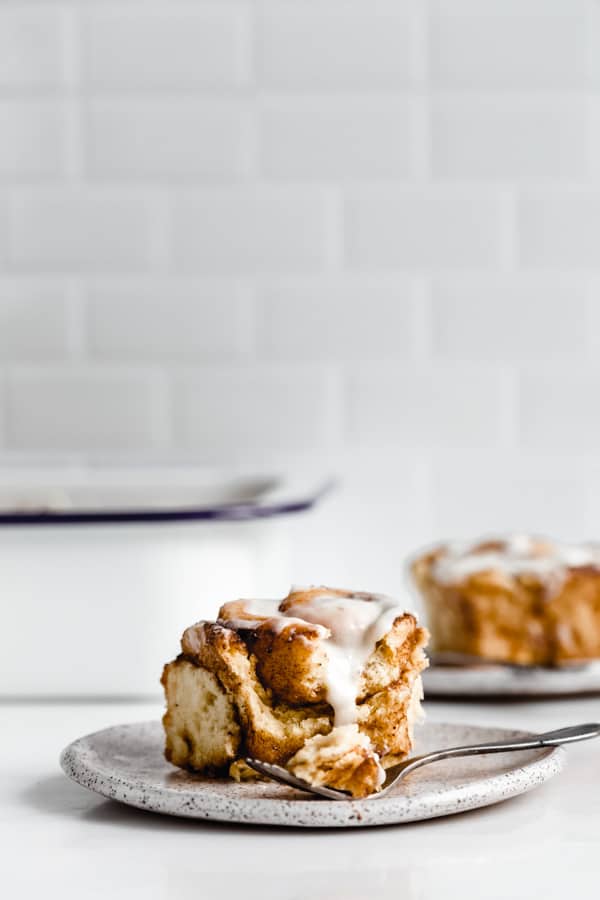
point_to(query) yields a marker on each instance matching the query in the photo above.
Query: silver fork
(396, 773)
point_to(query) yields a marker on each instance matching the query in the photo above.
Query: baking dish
(100, 569)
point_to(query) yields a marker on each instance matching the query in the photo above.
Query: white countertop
(59, 840)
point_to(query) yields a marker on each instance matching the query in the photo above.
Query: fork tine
(278, 773)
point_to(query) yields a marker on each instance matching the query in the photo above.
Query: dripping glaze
(516, 555)
(350, 625)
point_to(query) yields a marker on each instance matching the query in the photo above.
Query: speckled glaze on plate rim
(125, 763)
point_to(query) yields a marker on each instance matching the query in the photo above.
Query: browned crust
(523, 619)
(360, 781)
(357, 771)
(304, 597)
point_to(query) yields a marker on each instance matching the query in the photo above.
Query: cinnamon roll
(520, 600)
(326, 681)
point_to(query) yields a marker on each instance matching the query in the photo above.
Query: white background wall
(366, 234)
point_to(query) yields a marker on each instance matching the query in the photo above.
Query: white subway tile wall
(450, 406)
(34, 315)
(33, 46)
(509, 138)
(252, 229)
(182, 46)
(47, 408)
(33, 145)
(254, 410)
(365, 235)
(521, 45)
(424, 228)
(172, 139)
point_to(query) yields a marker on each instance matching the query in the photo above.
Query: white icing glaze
(262, 607)
(267, 612)
(193, 638)
(520, 554)
(350, 626)
(355, 623)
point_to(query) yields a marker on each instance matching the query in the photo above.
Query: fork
(397, 773)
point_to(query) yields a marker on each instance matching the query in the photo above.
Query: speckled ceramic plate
(485, 680)
(126, 763)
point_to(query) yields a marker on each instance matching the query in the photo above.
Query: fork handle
(554, 738)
